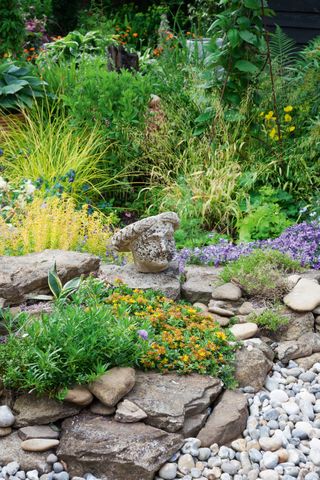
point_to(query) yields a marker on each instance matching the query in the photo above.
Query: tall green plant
(236, 63)
(12, 29)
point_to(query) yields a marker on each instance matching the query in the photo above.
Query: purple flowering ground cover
(301, 242)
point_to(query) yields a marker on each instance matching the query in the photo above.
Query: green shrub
(73, 345)
(261, 274)
(270, 320)
(12, 29)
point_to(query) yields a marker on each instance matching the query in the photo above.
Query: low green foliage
(191, 234)
(270, 320)
(58, 290)
(261, 274)
(11, 27)
(103, 327)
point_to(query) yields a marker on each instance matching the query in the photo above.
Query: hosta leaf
(13, 88)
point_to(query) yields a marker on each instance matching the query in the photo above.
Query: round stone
(39, 444)
(270, 443)
(52, 458)
(204, 454)
(291, 408)
(185, 463)
(168, 471)
(269, 475)
(12, 468)
(270, 460)
(231, 467)
(278, 396)
(7, 418)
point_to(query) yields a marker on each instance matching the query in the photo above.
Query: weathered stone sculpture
(150, 240)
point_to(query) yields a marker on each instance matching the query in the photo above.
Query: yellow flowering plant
(181, 338)
(270, 123)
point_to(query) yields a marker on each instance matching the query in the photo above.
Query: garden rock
(169, 400)
(227, 421)
(7, 418)
(112, 450)
(227, 291)
(5, 431)
(34, 410)
(291, 350)
(128, 412)
(308, 362)
(298, 325)
(199, 283)
(243, 331)
(304, 297)
(79, 395)
(111, 387)
(28, 274)
(38, 431)
(39, 444)
(166, 282)
(253, 363)
(10, 451)
(99, 409)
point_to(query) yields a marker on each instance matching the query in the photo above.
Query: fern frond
(283, 50)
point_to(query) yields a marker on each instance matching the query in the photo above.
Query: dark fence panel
(300, 19)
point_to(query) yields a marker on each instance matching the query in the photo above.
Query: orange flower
(31, 49)
(135, 35)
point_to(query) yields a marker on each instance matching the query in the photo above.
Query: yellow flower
(272, 133)
(185, 358)
(291, 128)
(261, 114)
(269, 115)
(221, 335)
(287, 109)
(287, 118)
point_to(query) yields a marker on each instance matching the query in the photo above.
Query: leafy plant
(261, 274)
(58, 290)
(55, 223)
(18, 87)
(46, 146)
(264, 218)
(282, 49)
(14, 198)
(235, 65)
(74, 46)
(11, 27)
(270, 320)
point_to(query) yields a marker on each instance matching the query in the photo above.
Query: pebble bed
(281, 440)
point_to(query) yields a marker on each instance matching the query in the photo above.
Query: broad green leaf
(248, 36)
(252, 4)
(246, 66)
(233, 37)
(54, 282)
(74, 283)
(244, 22)
(13, 88)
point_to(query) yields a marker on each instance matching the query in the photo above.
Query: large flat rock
(227, 421)
(33, 410)
(199, 284)
(305, 296)
(298, 324)
(11, 451)
(114, 451)
(166, 282)
(28, 274)
(170, 400)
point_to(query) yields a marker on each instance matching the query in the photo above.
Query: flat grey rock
(199, 284)
(166, 282)
(10, 451)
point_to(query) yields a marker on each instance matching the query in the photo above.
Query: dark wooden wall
(300, 19)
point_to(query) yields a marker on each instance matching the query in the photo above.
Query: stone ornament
(150, 240)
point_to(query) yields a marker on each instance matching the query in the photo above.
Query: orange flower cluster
(30, 54)
(184, 339)
(126, 36)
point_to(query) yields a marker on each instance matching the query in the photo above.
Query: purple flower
(143, 334)
(301, 242)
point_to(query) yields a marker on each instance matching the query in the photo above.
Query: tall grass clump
(46, 146)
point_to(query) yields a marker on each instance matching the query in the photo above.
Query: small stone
(52, 458)
(291, 408)
(201, 306)
(314, 456)
(186, 463)
(129, 412)
(61, 476)
(39, 444)
(21, 475)
(168, 471)
(37, 431)
(270, 460)
(269, 475)
(239, 445)
(204, 453)
(99, 408)
(79, 395)
(228, 291)
(4, 431)
(270, 443)
(7, 418)
(246, 308)
(231, 467)
(282, 455)
(57, 467)
(12, 468)
(242, 331)
(111, 387)
(195, 473)
(33, 475)
(278, 396)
